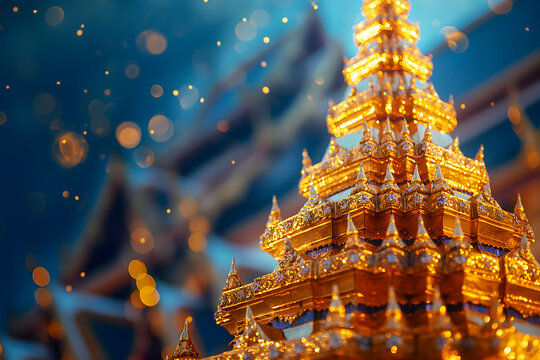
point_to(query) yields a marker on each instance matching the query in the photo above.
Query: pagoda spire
(440, 321)
(392, 236)
(439, 183)
(185, 348)
(253, 333)
(389, 182)
(306, 160)
(336, 312)
(458, 239)
(313, 200)
(416, 182)
(480, 154)
(519, 210)
(394, 316)
(233, 279)
(275, 212)
(362, 182)
(289, 256)
(353, 240)
(423, 240)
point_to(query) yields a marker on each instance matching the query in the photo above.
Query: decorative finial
(524, 246)
(394, 316)
(480, 154)
(185, 348)
(440, 321)
(458, 239)
(253, 333)
(392, 236)
(362, 182)
(336, 312)
(351, 228)
(485, 196)
(233, 279)
(423, 239)
(416, 182)
(455, 145)
(389, 181)
(313, 200)
(289, 256)
(306, 160)
(275, 212)
(519, 210)
(440, 184)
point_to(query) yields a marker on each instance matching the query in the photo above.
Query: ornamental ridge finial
(440, 320)
(233, 279)
(423, 239)
(351, 228)
(480, 154)
(185, 348)
(389, 182)
(336, 311)
(392, 236)
(306, 160)
(394, 316)
(275, 212)
(416, 182)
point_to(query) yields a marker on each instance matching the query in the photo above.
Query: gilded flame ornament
(400, 250)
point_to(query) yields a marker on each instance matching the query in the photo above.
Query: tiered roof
(400, 248)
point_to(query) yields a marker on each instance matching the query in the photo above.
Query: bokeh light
(145, 281)
(151, 42)
(54, 16)
(500, 6)
(142, 240)
(128, 134)
(41, 277)
(132, 71)
(260, 18)
(197, 242)
(160, 128)
(456, 40)
(245, 30)
(150, 298)
(188, 208)
(56, 330)
(135, 298)
(43, 297)
(156, 90)
(199, 224)
(144, 156)
(69, 149)
(189, 95)
(136, 269)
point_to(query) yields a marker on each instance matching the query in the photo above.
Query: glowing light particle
(265, 89)
(223, 126)
(160, 128)
(65, 194)
(284, 20)
(132, 71)
(41, 276)
(69, 288)
(136, 269)
(54, 16)
(83, 274)
(263, 64)
(175, 92)
(79, 32)
(156, 90)
(218, 43)
(266, 39)
(15, 9)
(128, 134)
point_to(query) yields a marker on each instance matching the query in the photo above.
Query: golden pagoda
(400, 251)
